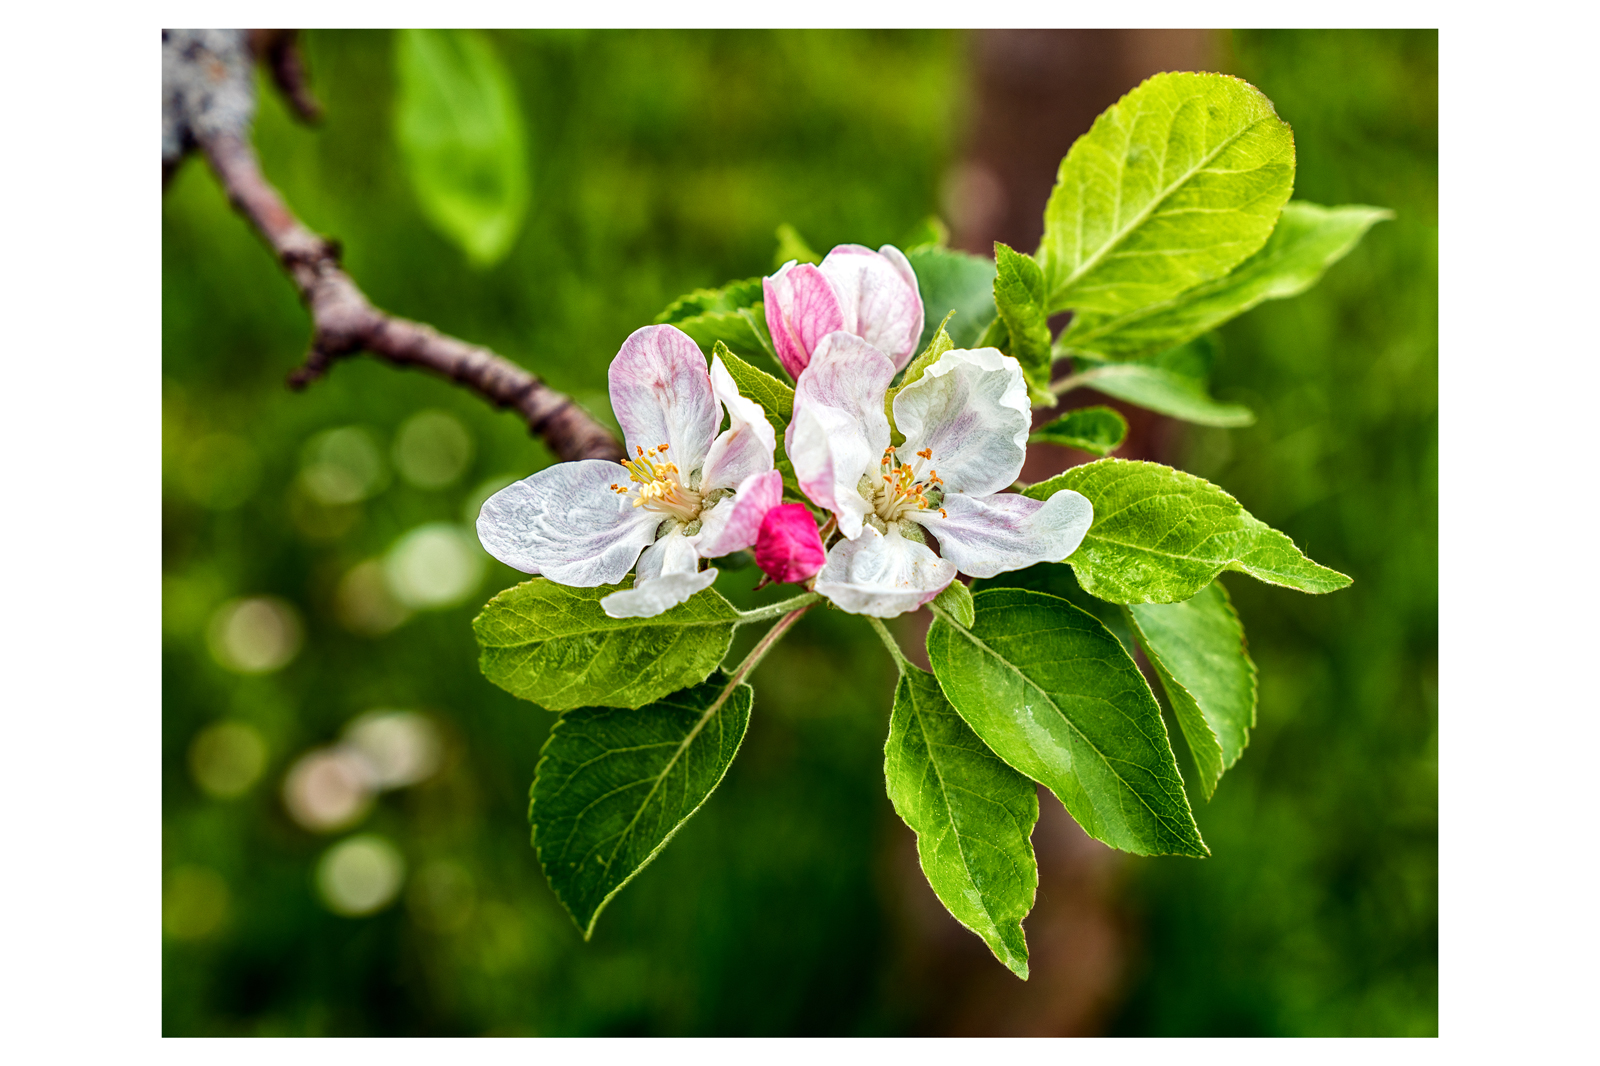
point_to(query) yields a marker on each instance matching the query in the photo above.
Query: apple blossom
(685, 494)
(872, 295)
(965, 422)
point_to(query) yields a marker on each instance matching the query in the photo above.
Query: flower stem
(771, 637)
(1074, 381)
(900, 660)
(773, 610)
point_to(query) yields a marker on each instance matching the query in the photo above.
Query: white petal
(668, 573)
(878, 297)
(746, 446)
(839, 431)
(992, 534)
(565, 523)
(672, 554)
(661, 394)
(733, 523)
(883, 575)
(650, 597)
(971, 408)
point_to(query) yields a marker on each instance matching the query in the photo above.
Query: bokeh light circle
(400, 748)
(434, 565)
(360, 876)
(432, 449)
(328, 789)
(227, 758)
(254, 636)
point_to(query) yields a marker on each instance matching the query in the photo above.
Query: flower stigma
(659, 485)
(901, 487)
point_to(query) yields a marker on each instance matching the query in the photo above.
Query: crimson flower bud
(788, 547)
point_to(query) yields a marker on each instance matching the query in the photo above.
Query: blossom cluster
(843, 330)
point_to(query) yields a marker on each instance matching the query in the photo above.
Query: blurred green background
(319, 567)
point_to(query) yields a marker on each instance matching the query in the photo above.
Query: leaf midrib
(1104, 758)
(944, 793)
(1143, 215)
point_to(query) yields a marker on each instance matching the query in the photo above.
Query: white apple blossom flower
(872, 295)
(966, 423)
(685, 494)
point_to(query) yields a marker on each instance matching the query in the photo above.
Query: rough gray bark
(207, 101)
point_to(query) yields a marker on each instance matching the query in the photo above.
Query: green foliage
(1100, 430)
(1019, 294)
(1198, 650)
(1171, 383)
(937, 346)
(775, 397)
(973, 816)
(956, 601)
(615, 784)
(732, 315)
(793, 246)
(1161, 535)
(931, 232)
(1175, 185)
(953, 281)
(1053, 693)
(776, 400)
(554, 645)
(1307, 240)
(463, 138)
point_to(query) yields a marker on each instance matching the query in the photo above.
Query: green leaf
(614, 784)
(776, 400)
(552, 644)
(1053, 693)
(1306, 242)
(732, 315)
(956, 601)
(914, 370)
(954, 281)
(1161, 535)
(1170, 383)
(461, 135)
(1198, 650)
(793, 246)
(775, 397)
(1099, 430)
(1019, 295)
(1178, 183)
(973, 816)
(930, 232)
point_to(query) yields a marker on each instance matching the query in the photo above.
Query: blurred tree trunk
(1034, 93)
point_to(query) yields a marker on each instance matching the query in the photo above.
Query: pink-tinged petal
(789, 547)
(745, 447)
(990, 535)
(839, 430)
(801, 309)
(661, 394)
(650, 597)
(732, 523)
(971, 409)
(878, 298)
(883, 575)
(668, 573)
(565, 523)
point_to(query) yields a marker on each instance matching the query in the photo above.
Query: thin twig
(279, 52)
(773, 610)
(345, 322)
(207, 102)
(764, 645)
(890, 643)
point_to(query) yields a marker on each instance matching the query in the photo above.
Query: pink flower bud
(788, 547)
